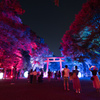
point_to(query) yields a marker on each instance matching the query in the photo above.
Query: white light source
(79, 75)
(1, 75)
(45, 74)
(26, 74)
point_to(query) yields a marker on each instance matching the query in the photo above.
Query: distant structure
(54, 59)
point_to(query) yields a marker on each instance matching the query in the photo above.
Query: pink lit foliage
(11, 32)
(14, 36)
(40, 51)
(82, 39)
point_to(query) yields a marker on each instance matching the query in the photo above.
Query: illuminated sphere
(26, 74)
(79, 75)
(1, 75)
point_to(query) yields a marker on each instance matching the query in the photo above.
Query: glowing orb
(11, 76)
(79, 75)
(1, 75)
(45, 74)
(26, 74)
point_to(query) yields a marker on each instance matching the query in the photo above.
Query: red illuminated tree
(11, 31)
(15, 37)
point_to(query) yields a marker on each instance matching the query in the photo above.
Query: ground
(53, 90)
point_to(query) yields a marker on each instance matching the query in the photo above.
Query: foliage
(82, 41)
(17, 42)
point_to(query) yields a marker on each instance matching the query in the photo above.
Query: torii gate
(54, 59)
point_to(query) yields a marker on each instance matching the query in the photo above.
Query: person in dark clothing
(31, 76)
(56, 75)
(18, 74)
(49, 75)
(14, 73)
(40, 78)
(59, 75)
(35, 76)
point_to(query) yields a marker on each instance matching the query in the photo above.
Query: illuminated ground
(22, 90)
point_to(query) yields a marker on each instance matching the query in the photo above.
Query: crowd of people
(34, 76)
(67, 75)
(76, 82)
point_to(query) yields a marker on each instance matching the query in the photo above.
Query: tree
(11, 32)
(17, 41)
(82, 39)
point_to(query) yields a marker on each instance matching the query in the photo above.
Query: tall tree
(16, 39)
(82, 39)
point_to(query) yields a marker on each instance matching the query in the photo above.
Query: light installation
(26, 74)
(1, 75)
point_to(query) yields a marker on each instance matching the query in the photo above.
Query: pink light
(17, 69)
(11, 76)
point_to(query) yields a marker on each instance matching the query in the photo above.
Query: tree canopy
(17, 40)
(82, 40)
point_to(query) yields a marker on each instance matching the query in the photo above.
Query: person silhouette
(94, 78)
(34, 76)
(31, 76)
(66, 77)
(76, 81)
(49, 75)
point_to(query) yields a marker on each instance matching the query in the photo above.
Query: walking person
(18, 74)
(49, 75)
(59, 75)
(14, 72)
(76, 81)
(66, 77)
(31, 76)
(40, 78)
(34, 76)
(55, 75)
(14, 76)
(41, 75)
(94, 78)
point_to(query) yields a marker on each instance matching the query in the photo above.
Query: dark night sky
(49, 21)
